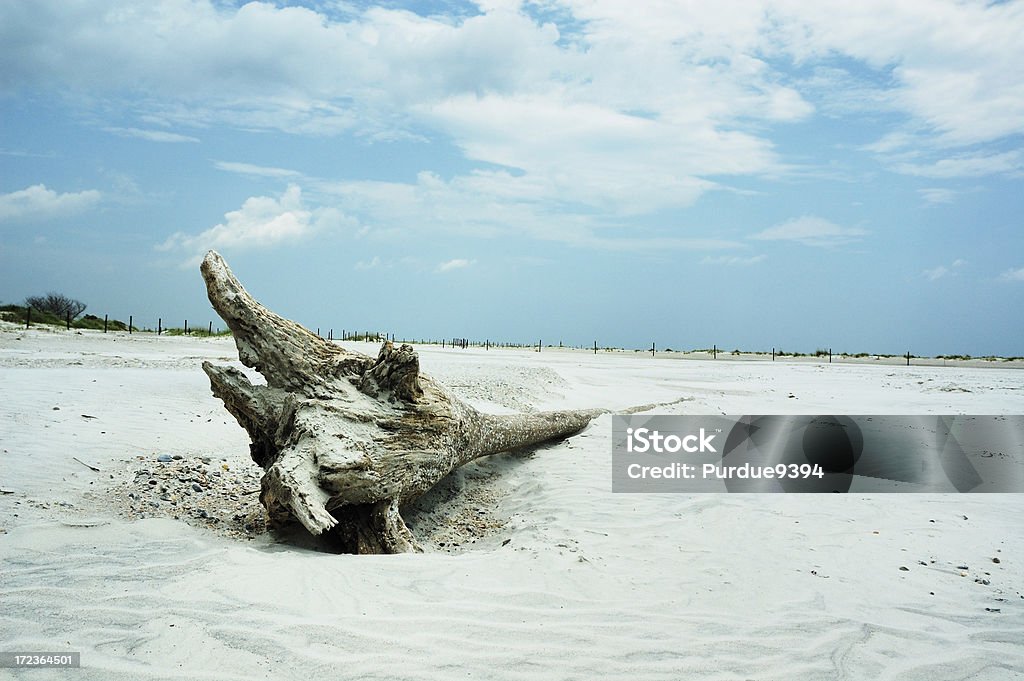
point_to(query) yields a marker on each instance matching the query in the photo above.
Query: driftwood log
(346, 439)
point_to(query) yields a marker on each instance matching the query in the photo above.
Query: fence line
(453, 342)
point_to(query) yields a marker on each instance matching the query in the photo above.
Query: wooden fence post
(130, 320)
(105, 323)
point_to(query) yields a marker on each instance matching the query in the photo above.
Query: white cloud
(261, 222)
(954, 67)
(733, 260)
(152, 135)
(365, 265)
(488, 205)
(595, 155)
(26, 154)
(941, 271)
(623, 120)
(891, 142)
(937, 195)
(811, 231)
(1013, 275)
(950, 64)
(658, 244)
(612, 110)
(968, 165)
(259, 171)
(455, 264)
(40, 203)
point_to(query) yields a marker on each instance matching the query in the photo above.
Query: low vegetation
(56, 304)
(18, 314)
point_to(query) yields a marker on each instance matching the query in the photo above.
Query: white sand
(589, 585)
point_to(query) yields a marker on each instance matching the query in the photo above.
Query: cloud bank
(38, 202)
(261, 222)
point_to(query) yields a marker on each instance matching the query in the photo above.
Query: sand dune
(553, 577)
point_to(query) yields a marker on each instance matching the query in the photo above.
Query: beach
(534, 569)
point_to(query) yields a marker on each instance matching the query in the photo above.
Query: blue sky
(788, 174)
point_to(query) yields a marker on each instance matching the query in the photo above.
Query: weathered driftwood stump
(346, 439)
